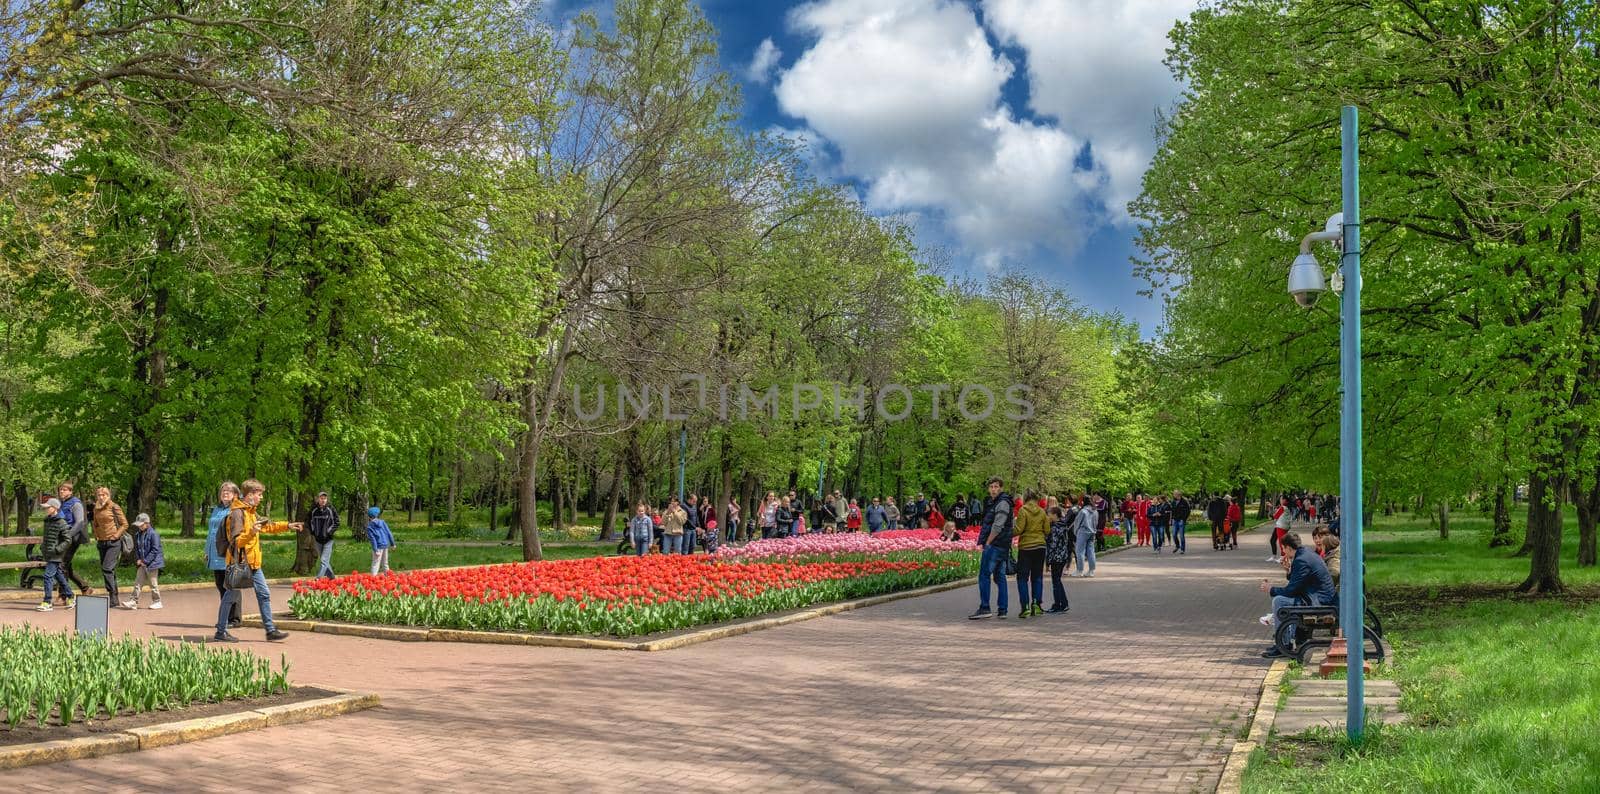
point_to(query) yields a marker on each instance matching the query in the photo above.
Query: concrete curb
(183, 731)
(1260, 728)
(408, 634)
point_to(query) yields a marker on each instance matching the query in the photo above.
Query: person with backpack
(321, 524)
(72, 512)
(54, 548)
(241, 537)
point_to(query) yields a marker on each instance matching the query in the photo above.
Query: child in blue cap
(382, 540)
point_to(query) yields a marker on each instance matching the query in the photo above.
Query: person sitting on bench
(1309, 584)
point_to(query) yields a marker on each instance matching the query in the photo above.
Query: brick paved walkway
(1143, 686)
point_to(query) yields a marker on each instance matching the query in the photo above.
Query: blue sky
(1010, 133)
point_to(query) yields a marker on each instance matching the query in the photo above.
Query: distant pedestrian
(959, 512)
(640, 528)
(769, 516)
(1235, 515)
(381, 538)
(1159, 514)
(1033, 529)
(1088, 518)
(1179, 511)
(673, 522)
(1282, 520)
(691, 524)
(1057, 550)
(852, 517)
(1217, 514)
(891, 513)
(150, 559)
(1141, 517)
(321, 524)
(733, 519)
(877, 519)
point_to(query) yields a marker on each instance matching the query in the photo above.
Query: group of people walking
(233, 532)
(1161, 521)
(69, 524)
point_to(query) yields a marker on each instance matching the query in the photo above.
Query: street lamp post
(1305, 284)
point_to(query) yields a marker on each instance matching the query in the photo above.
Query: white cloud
(763, 62)
(1096, 67)
(909, 92)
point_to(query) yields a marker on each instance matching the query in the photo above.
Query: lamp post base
(1338, 660)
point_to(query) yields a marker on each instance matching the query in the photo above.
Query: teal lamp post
(1305, 285)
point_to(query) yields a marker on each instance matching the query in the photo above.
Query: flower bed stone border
(150, 737)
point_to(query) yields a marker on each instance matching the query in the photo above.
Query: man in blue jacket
(1309, 584)
(877, 517)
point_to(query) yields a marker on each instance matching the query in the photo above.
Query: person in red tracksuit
(1235, 515)
(1141, 518)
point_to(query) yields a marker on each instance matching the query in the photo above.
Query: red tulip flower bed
(620, 596)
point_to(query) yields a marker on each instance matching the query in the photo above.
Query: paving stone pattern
(1143, 686)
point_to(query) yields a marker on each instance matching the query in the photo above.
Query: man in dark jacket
(1310, 584)
(1181, 509)
(322, 523)
(995, 540)
(1217, 514)
(691, 527)
(54, 547)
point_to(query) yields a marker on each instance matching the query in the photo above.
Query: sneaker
(1274, 653)
(1091, 574)
(130, 605)
(1057, 609)
(233, 624)
(223, 636)
(70, 604)
(980, 614)
(1181, 553)
(1001, 614)
(1037, 610)
(276, 635)
(1023, 614)
(44, 606)
(1266, 620)
(156, 605)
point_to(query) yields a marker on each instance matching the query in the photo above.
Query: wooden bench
(28, 565)
(1299, 628)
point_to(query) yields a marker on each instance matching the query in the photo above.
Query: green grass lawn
(1503, 692)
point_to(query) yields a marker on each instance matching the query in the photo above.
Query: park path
(1143, 686)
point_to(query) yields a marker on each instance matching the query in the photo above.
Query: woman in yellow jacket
(242, 532)
(1033, 529)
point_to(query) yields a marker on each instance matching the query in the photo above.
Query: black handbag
(126, 548)
(1011, 563)
(238, 576)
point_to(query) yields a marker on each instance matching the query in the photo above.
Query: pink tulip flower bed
(919, 540)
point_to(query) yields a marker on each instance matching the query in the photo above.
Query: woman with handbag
(110, 538)
(217, 553)
(243, 531)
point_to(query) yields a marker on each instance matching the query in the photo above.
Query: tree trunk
(725, 492)
(1588, 504)
(1544, 533)
(594, 498)
(455, 492)
(188, 511)
(150, 373)
(1444, 519)
(1502, 519)
(608, 523)
(24, 505)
